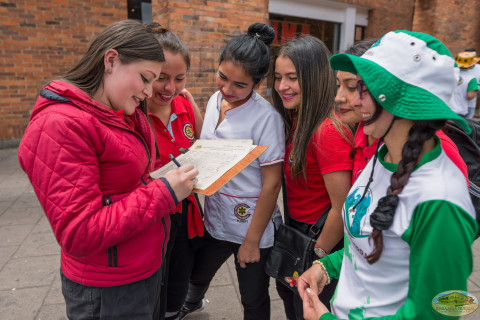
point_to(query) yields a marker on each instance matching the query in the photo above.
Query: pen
(174, 160)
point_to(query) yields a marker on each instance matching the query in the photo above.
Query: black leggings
(253, 281)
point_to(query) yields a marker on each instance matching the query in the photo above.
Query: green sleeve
(472, 85)
(333, 263)
(440, 236)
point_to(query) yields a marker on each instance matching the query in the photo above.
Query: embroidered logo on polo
(241, 212)
(357, 211)
(290, 159)
(188, 131)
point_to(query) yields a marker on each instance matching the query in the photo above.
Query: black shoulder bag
(292, 252)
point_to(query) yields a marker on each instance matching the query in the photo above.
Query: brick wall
(455, 23)
(386, 15)
(205, 26)
(40, 40)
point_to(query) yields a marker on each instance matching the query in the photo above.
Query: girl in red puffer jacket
(87, 151)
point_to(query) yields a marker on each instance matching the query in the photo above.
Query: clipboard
(217, 161)
(227, 176)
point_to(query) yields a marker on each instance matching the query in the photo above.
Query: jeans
(253, 281)
(471, 113)
(134, 301)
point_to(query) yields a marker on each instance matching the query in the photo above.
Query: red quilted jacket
(89, 171)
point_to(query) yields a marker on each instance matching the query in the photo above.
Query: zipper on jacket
(112, 251)
(164, 240)
(148, 155)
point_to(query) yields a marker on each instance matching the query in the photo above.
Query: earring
(107, 70)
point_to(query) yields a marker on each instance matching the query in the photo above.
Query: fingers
(182, 180)
(302, 285)
(313, 308)
(308, 309)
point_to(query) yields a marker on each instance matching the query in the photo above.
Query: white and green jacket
(427, 250)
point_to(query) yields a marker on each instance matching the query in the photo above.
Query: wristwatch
(319, 252)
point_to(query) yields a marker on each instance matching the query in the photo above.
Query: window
(140, 10)
(359, 33)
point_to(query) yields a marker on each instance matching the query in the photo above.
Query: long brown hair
(169, 41)
(129, 38)
(316, 79)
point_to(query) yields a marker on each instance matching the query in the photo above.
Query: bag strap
(286, 214)
(314, 229)
(317, 227)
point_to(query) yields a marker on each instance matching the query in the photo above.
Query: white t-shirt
(473, 72)
(382, 288)
(459, 102)
(228, 212)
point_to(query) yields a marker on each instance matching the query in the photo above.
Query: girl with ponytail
(239, 217)
(410, 205)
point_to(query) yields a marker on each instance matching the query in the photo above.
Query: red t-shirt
(328, 151)
(363, 153)
(172, 139)
(182, 127)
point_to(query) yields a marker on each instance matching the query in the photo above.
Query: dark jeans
(134, 301)
(253, 281)
(291, 301)
(178, 264)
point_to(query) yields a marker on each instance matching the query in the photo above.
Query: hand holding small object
(179, 165)
(182, 179)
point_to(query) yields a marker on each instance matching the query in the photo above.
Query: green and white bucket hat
(412, 75)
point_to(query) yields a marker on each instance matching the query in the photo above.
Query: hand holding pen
(179, 165)
(182, 180)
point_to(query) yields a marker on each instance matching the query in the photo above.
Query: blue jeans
(471, 113)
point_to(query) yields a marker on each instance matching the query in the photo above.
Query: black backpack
(469, 149)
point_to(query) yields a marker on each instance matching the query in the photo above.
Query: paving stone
(55, 295)
(39, 244)
(5, 255)
(52, 312)
(29, 272)
(4, 205)
(222, 304)
(21, 304)
(15, 234)
(15, 216)
(43, 226)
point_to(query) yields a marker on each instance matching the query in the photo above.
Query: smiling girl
(318, 162)
(410, 205)
(238, 218)
(87, 151)
(176, 122)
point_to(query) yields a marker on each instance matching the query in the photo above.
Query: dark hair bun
(263, 31)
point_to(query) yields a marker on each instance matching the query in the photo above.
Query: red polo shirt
(328, 151)
(182, 126)
(171, 139)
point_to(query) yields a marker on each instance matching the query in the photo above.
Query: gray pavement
(30, 260)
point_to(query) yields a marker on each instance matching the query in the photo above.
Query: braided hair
(382, 217)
